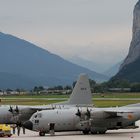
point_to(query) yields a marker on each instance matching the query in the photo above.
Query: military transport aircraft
(81, 96)
(86, 119)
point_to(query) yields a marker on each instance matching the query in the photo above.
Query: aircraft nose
(28, 125)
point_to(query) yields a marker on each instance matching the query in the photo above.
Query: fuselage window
(36, 121)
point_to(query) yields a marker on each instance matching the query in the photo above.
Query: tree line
(95, 87)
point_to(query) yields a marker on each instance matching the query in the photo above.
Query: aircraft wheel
(85, 132)
(10, 135)
(93, 132)
(41, 133)
(102, 132)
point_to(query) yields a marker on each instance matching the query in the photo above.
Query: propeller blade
(78, 113)
(88, 114)
(17, 109)
(11, 109)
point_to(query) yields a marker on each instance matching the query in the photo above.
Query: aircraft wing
(133, 105)
(118, 112)
(30, 108)
(39, 108)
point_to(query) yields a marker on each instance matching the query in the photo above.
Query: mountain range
(101, 68)
(24, 65)
(90, 64)
(112, 70)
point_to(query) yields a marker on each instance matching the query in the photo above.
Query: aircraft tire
(85, 132)
(102, 132)
(10, 135)
(41, 133)
(94, 132)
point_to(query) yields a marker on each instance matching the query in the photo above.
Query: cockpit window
(39, 115)
(36, 121)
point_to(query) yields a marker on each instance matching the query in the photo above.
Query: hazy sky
(96, 30)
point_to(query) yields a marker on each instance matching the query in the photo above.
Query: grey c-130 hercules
(86, 119)
(19, 114)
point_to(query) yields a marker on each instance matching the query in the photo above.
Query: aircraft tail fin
(81, 93)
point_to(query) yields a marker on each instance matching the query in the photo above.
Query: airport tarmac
(127, 134)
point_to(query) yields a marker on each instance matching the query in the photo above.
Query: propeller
(14, 111)
(88, 114)
(85, 115)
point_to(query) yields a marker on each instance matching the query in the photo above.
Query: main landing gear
(86, 132)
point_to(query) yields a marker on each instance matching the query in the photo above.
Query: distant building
(59, 91)
(1, 92)
(119, 89)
